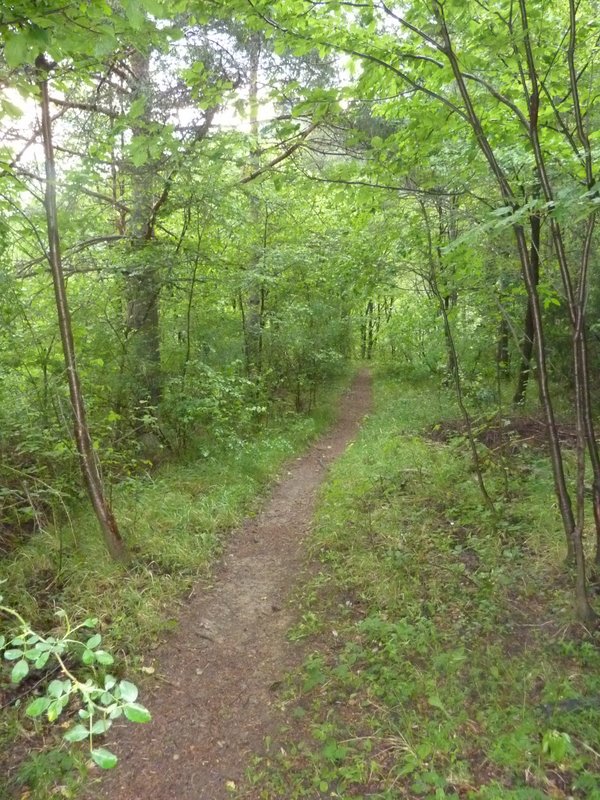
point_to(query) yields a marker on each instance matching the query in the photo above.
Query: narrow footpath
(217, 675)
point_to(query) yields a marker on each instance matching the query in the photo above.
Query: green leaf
(435, 701)
(93, 641)
(136, 110)
(16, 50)
(129, 691)
(77, 733)
(37, 707)
(13, 654)
(503, 211)
(139, 156)
(101, 726)
(91, 622)
(104, 758)
(10, 109)
(153, 7)
(135, 14)
(88, 656)
(19, 671)
(56, 708)
(333, 751)
(2, 641)
(102, 657)
(42, 660)
(56, 688)
(136, 713)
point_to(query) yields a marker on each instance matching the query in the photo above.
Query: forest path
(216, 676)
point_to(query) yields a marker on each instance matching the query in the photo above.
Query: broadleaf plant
(101, 698)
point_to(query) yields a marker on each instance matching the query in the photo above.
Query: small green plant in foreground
(101, 697)
(176, 521)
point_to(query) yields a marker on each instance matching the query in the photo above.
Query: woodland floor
(217, 677)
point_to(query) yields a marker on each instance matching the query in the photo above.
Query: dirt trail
(217, 676)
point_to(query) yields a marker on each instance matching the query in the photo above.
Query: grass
(445, 662)
(175, 523)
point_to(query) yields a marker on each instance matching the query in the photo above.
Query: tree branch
(81, 106)
(281, 157)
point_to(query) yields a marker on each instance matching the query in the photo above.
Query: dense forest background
(210, 211)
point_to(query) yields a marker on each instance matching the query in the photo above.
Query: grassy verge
(174, 522)
(445, 661)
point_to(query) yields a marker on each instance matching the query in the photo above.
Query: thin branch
(105, 199)
(403, 190)
(405, 23)
(81, 106)
(23, 269)
(281, 157)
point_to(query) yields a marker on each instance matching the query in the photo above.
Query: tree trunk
(253, 323)
(87, 457)
(448, 298)
(528, 330)
(576, 300)
(503, 350)
(436, 267)
(363, 339)
(143, 282)
(451, 364)
(370, 331)
(573, 537)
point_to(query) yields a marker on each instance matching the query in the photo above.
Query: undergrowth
(174, 523)
(444, 661)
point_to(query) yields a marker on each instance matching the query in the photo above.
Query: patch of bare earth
(506, 433)
(216, 678)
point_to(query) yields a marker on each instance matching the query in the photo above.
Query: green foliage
(100, 697)
(210, 311)
(212, 408)
(442, 659)
(43, 770)
(175, 521)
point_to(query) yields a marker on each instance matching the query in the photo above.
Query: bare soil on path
(215, 684)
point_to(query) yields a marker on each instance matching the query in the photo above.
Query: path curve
(215, 677)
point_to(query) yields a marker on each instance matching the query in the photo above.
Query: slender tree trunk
(573, 541)
(456, 379)
(87, 457)
(363, 338)
(448, 297)
(451, 365)
(241, 304)
(200, 230)
(503, 350)
(369, 332)
(580, 326)
(388, 305)
(454, 376)
(576, 300)
(528, 329)
(253, 325)
(188, 323)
